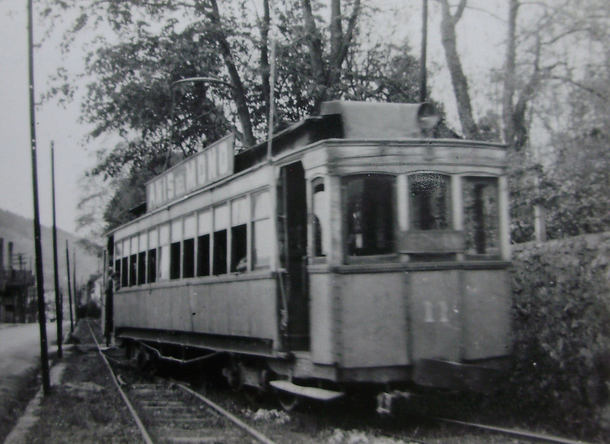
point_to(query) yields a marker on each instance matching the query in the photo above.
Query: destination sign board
(213, 163)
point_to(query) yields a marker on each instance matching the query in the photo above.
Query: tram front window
(481, 215)
(370, 214)
(430, 201)
(321, 219)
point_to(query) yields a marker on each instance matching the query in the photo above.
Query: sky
(479, 36)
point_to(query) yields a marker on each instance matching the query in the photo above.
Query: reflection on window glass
(321, 219)
(370, 214)
(481, 215)
(430, 201)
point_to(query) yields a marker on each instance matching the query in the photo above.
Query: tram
(351, 250)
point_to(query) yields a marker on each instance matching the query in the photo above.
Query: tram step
(308, 392)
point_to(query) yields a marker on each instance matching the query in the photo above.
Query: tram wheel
(288, 401)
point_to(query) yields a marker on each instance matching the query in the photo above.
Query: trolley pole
(42, 321)
(58, 302)
(69, 287)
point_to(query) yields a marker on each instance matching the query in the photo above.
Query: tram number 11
(443, 311)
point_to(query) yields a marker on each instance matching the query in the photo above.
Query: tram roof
(339, 120)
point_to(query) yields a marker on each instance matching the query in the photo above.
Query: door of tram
(292, 211)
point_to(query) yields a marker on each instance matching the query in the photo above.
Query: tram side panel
(371, 319)
(486, 306)
(245, 308)
(376, 325)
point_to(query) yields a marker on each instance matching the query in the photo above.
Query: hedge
(561, 328)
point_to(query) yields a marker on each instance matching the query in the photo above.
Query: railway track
(170, 412)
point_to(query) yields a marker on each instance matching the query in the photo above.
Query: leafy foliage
(562, 335)
(143, 48)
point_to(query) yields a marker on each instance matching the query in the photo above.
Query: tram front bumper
(477, 377)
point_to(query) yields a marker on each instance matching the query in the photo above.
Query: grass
(85, 407)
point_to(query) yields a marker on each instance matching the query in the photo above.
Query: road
(20, 352)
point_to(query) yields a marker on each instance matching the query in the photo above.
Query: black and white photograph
(304, 221)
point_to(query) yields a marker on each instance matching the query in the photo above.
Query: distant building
(17, 298)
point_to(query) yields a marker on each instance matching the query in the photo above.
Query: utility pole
(76, 298)
(42, 321)
(424, 45)
(69, 287)
(58, 301)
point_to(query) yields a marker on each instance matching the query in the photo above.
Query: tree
(156, 43)
(458, 78)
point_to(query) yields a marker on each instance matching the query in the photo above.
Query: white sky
(479, 36)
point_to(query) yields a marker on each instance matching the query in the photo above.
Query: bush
(561, 313)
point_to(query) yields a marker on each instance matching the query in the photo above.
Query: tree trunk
(314, 42)
(265, 67)
(458, 79)
(509, 79)
(239, 91)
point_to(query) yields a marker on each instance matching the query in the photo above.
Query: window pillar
(403, 202)
(336, 220)
(504, 218)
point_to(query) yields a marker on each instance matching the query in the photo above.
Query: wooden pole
(42, 321)
(424, 45)
(58, 301)
(76, 298)
(69, 288)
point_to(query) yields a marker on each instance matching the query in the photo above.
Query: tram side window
(261, 230)
(174, 268)
(118, 249)
(240, 210)
(175, 250)
(133, 270)
(141, 268)
(133, 261)
(370, 214)
(125, 263)
(163, 253)
(188, 255)
(189, 258)
(203, 255)
(153, 241)
(142, 247)
(152, 265)
(239, 248)
(481, 215)
(117, 270)
(430, 201)
(203, 243)
(124, 272)
(321, 219)
(221, 224)
(220, 252)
